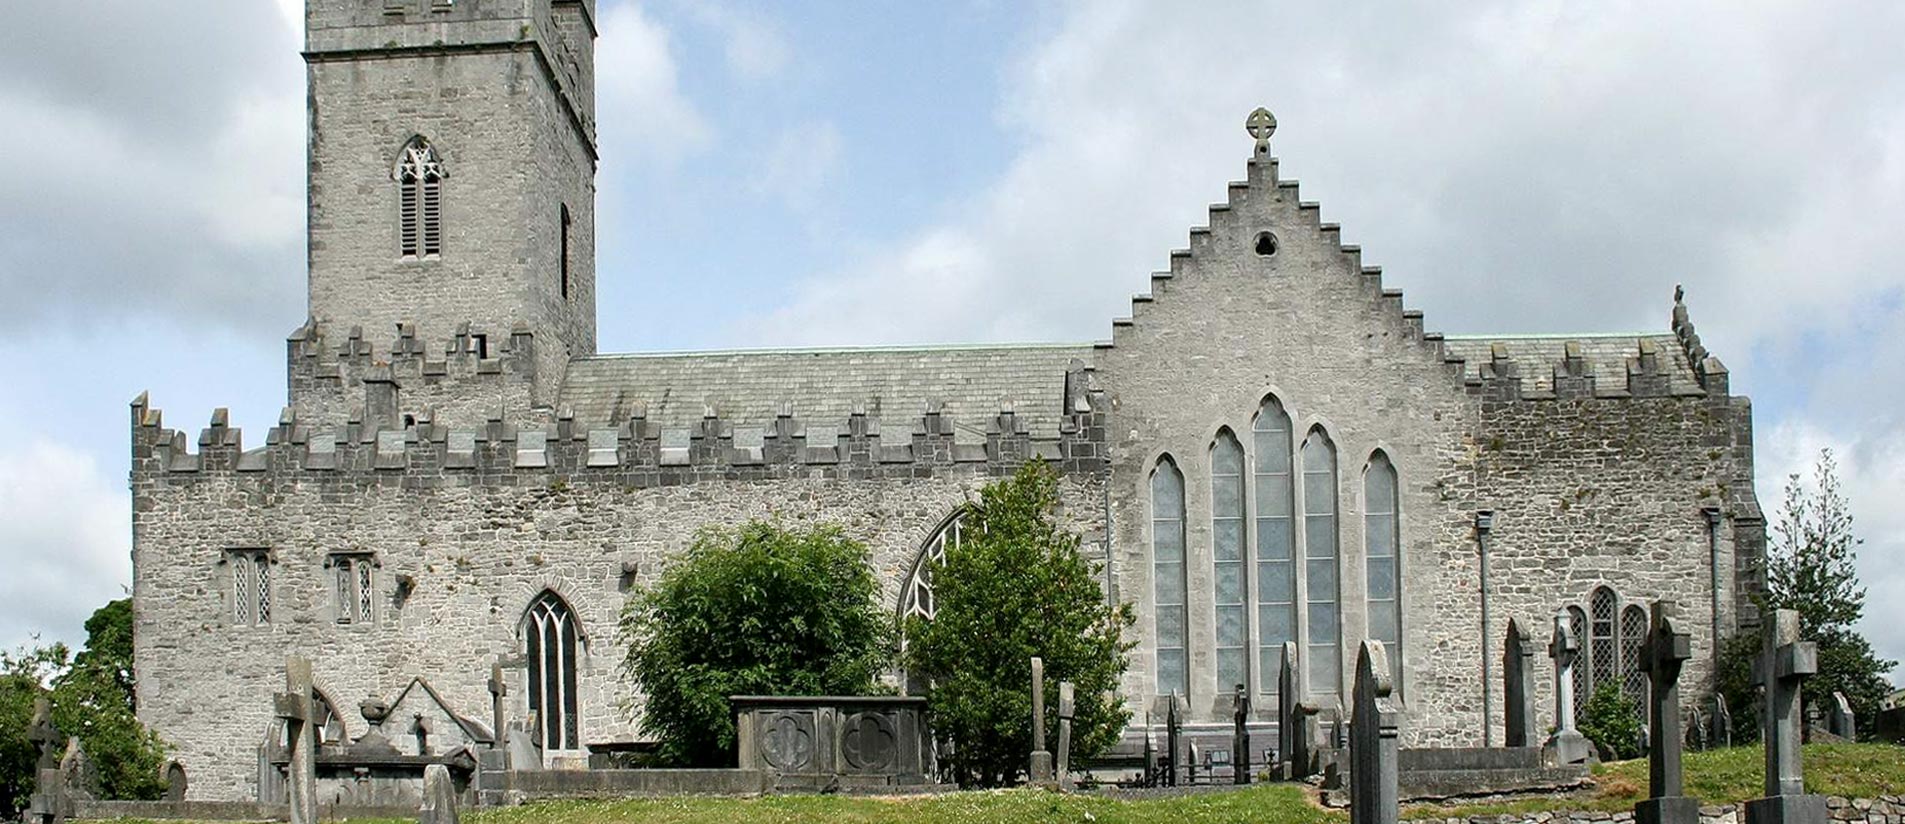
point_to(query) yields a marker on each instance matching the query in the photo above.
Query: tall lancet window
(419, 200)
(1320, 563)
(1227, 560)
(1167, 572)
(1276, 538)
(1382, 549)
(550, 633)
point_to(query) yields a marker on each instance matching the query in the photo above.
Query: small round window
(1266, 244)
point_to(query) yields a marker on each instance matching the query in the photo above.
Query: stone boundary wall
(1886, 809)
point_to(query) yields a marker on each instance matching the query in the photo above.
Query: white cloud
(1535, 167)
(754, 45)
(799, 164)
(141, 178)
(65, 540)
(638, 91)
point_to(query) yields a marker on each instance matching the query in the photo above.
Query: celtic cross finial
(1261, 125)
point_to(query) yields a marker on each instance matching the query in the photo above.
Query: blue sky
(857, 173)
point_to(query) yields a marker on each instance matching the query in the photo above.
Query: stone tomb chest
(813, 742)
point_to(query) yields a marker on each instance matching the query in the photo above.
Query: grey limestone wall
(461, 551)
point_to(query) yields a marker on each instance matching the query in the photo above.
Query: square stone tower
(452, 184)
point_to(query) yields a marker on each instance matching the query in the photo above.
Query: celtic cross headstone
(1661, 657)
(1567, 745)
(1785, 662)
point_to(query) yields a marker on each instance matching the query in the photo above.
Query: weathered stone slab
(1374, 741)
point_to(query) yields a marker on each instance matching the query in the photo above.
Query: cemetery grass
(1726, 776)
(1260, 804)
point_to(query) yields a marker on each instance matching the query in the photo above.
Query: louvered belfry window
(419, 200)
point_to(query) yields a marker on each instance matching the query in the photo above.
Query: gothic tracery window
(1227, 560)
(1612, 635)
(1320, 563)
(916, 595)
(1275, 539)
(419, 200)
(550, 631)
(1168, 577)
(250, 571)
(354, 575)
(1382, 553)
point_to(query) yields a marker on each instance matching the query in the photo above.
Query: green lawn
(1718, 777)
(1268, 804)
(1725, 776)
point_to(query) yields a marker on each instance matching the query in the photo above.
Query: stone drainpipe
(1712, 514)
(1484, 523)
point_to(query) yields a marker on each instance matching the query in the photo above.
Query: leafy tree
(765, 609)
(92, 696)
(1015, 587)
(22, 679)
(1612, 722)
(1810, 568)
(94, 699)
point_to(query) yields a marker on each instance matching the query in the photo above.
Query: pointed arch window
(550, 631)
(1603, 609)
(1382, 550)
(1276, 539)
(1320, 563)
(1634, 628)
(419, 178)
(1168, 577)
(1227, 561)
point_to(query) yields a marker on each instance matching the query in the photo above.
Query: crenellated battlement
(634, 451)
(461, 379)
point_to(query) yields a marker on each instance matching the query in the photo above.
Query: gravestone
(1240, 737)
(1784, 662)
(1661, 657)
(439, 796)
(1567, 745)
(1722, 733)
(1190, 763)
(49, 803)
(498, 690)
(295, 710)
(1150, 754)
(1839, 718)
(78, 778)
(1065, 711)
(1173, 730)
(1373, 741)
(1296, 720)
(1518, 685)
(175, 784)
(1040, 769)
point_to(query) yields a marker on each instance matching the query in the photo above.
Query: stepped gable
(747, 388)
(1228, 224)
(1499, 367)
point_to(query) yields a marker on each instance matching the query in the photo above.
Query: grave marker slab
(294, 709)
(1518, 685)
(1373, 741)
(1040, 769)
(1240, 736)
(1065, 711)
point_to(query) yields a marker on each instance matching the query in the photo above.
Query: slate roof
(1606, 353)
(893, 384)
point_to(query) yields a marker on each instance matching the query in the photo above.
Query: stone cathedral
(1271, 448)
